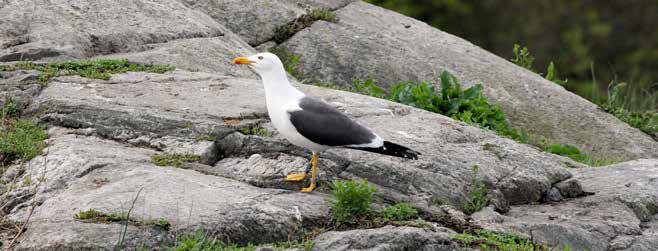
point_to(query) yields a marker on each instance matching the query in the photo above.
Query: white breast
(278, 107)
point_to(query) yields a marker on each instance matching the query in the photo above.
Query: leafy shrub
(353, 199)
(175, 160)
(470, 105)
(399, 212)
(9, 110)
(477, 197)
(489, 240)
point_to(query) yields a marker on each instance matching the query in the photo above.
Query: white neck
(277, 85)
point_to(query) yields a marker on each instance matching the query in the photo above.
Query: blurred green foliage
(592, 43)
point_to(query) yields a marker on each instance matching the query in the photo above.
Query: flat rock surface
(370, 42)
(387, 238)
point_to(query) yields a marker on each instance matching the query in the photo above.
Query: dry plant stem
(34, 202)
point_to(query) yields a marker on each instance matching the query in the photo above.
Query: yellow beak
(242, 60)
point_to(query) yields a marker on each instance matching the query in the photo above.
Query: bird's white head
(263, 63)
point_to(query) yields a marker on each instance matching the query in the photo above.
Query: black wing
(324, 125)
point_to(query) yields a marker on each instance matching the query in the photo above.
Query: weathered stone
(387, 238)
(370, 42)
(225, 209)
(81, 29)
(619, 216)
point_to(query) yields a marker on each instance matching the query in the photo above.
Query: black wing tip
(392, 149)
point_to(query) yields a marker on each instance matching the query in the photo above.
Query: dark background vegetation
(594, 44)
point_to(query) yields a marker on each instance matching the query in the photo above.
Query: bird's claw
(296, 177)
(309, 189)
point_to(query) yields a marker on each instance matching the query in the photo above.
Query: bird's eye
(260, 57)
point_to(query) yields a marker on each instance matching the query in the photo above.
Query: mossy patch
(489, 240)
(176, 160)
(324, 15)
(399, 212)
(96, 216)
(200, 241)
(257, 131)
(96, 69)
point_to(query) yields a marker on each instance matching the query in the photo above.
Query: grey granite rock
(370, 42)
(387, 238)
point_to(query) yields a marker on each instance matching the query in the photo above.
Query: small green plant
(399, 212)
(477, 197)
(323, 14)
(9, 110)
(27, 181)
(352, 200)
(175, 160)
(21, 139)
(98, 69)
(551, 75)
(489, 240)
(470, 105)
(290, 61)
(522, 57)
(256, 130)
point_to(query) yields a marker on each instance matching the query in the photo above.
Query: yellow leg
(314, 174)
(296, 177)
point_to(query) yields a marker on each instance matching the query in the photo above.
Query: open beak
(242, 60)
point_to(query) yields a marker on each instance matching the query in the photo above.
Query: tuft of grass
(290, 61)
(97, 69)
(21, 139)
(256, 130)
(353, 200)
(551, 75)
(477, 197)
(616, 105)
(399, 212)
(489, 240)
(199, 241)
(575, 154)
(470, 105)
(323, 14)
(175, 160)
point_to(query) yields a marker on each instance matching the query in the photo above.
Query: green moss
(97, 69)
(95, 216)
(175, 160)
(323, 14)
(477, 197)
(352, 200)
(399, 212)
(489, 240)
(21, 139)
(256, 130)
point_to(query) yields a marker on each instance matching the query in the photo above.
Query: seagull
(310, 123)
